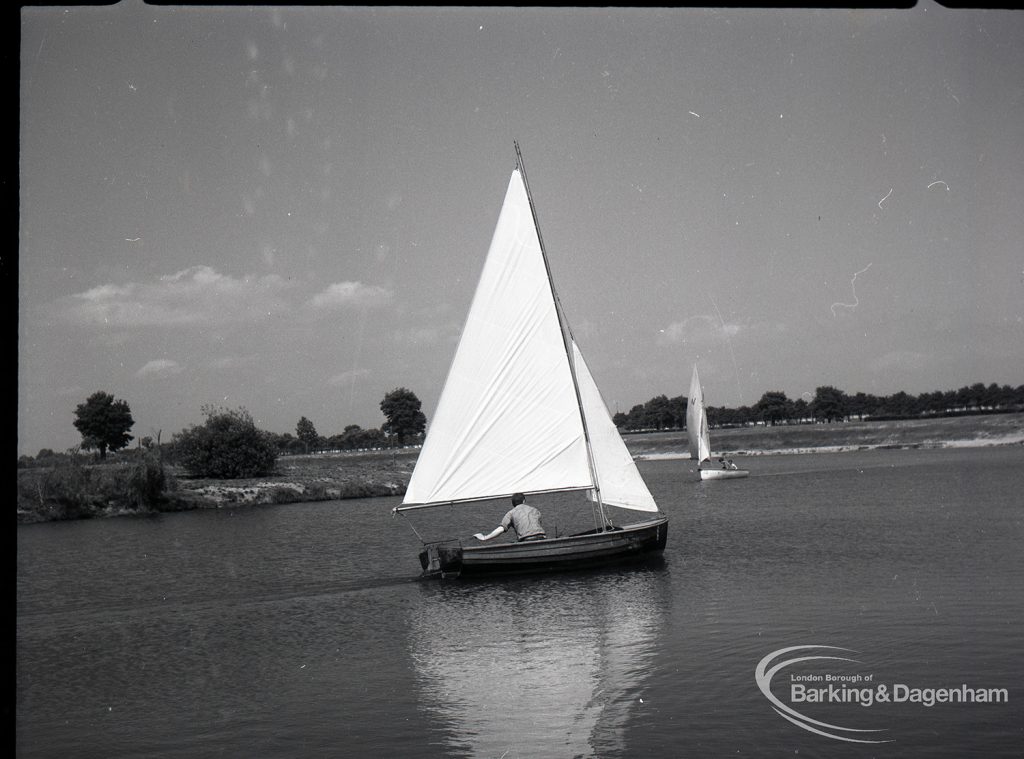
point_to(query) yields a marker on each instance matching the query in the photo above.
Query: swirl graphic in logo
(764, 676)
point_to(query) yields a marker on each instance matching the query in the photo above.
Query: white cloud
(233, 362)
(351, 295)
(698, 331)
(900, 361)
(197, 295)
(425, 335)
(160, 367)
(346, 377)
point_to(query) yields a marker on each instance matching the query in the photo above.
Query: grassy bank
(80, 491)
(313, 477)
(987, 429)
(106, 491)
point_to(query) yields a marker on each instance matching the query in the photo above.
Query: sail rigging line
(398, 511)
(567, 338)
(395, 512)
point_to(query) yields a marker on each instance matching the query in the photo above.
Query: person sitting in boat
(522, 518)
(722, 462)
(730, 465)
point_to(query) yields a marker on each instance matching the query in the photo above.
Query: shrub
(60, 492)
(284, 495)
(72, 489)
(145, 483)
(227, 446)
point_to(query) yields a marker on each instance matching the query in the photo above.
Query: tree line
(229, 444)
(828, 405)
(405, 424)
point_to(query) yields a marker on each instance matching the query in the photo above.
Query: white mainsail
(697, 422)
(509, 419)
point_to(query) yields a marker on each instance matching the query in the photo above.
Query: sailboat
(520, 413)
(700, 441)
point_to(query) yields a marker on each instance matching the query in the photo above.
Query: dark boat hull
(589, 549)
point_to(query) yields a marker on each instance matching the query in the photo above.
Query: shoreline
(1013, 439)
(327, 476)
(365, 474)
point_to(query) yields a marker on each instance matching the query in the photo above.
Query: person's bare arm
(492, 534)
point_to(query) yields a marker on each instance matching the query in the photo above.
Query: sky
(287, 210)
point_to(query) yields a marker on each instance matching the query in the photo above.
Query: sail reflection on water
(538, 667)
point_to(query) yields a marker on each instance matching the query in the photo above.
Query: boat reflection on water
(538, 667)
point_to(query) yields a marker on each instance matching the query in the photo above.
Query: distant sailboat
(700, 441)
(520, 413)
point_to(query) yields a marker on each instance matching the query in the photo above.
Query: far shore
(329, 475)
(958, 432)
(343, 475)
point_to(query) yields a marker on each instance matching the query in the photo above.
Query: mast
(566, 337)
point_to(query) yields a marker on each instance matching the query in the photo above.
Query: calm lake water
(301, 631)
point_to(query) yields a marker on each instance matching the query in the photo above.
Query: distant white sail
(697, 422)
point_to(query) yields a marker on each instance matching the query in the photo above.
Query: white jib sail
(621, 483)
(507, 419)
(697, 422)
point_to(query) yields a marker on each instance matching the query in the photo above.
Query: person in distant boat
(722, 462)
(522, 518)
(730, 465)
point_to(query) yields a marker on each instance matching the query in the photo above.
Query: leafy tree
(104, 423)
(720, 416)
(282, 440)
(227, 446)
(773, 407)
(658, 413)
(356, 438)
(829, 404)
(401, 407)
(899, 405)
(634, 419)
(977, 391)
(306, 432)
(993, 396)
(862, 405)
